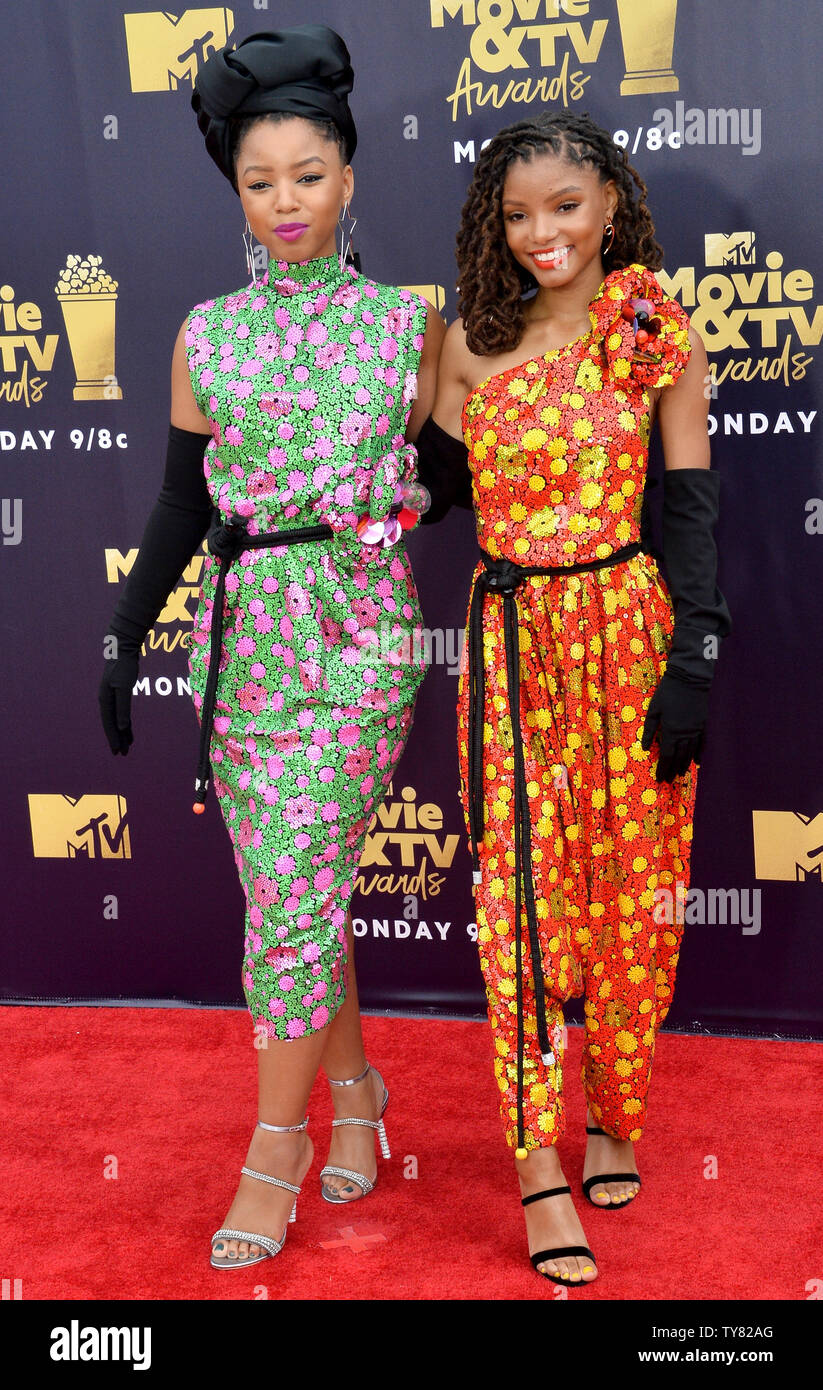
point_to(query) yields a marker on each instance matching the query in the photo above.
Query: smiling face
(554, 213)
(293, 185)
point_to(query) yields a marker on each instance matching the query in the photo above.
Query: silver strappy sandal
(349, 1173)
(270, 1246)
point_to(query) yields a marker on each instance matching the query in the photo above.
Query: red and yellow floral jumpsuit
(558, 449)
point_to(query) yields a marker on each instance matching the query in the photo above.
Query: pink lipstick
(290, 231)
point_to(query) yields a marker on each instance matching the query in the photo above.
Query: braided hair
(491, 281)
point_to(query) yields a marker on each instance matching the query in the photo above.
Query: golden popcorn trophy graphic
(87, 297)
(647, 30)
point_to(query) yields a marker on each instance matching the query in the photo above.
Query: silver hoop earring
(608, 231)
(247, 242)
(346, 255)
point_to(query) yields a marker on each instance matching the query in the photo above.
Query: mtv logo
(435, 294)
(787, 845)
(735, 249)
(166, 50)
(82, 827)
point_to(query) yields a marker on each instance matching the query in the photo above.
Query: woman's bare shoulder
(457, 358)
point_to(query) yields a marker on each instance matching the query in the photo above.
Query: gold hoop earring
(608, 231)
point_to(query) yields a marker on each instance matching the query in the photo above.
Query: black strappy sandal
(543, 1255)
(608, 1177)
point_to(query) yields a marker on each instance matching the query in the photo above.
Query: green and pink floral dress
(307, 380)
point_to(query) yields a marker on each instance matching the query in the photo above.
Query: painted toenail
(588, 1269)
(576, 1274)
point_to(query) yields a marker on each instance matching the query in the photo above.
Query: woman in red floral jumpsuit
(577, 821)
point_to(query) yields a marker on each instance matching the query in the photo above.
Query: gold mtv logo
(736, 248)
(647, 30)
(435, 294)
(83, 827)
(166, 50)
(787, 845)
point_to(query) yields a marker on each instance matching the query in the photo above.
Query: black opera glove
(175, 528)
(443, 469)
(119, 678)
(677, 714)
(678, 708)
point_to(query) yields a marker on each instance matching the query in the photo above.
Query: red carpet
(170, 1094)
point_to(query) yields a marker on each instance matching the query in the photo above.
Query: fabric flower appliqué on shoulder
(644, 333)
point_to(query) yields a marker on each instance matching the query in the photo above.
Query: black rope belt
(504, 577)
(227, 541)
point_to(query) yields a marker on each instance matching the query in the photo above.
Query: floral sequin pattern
(307, 381)
(558, 449)
(558, 456)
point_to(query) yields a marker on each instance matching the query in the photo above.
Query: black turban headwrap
(305, 71)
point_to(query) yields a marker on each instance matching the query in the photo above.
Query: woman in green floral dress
(310, 384)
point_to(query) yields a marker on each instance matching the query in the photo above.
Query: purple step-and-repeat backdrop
(116, 222)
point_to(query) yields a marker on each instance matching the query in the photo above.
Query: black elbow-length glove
(175, 528)
(679, 706)
(443, 469)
